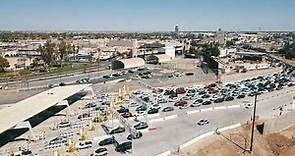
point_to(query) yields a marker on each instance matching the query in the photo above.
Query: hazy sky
(147, 15)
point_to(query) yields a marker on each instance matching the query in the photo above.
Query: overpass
(18, 113)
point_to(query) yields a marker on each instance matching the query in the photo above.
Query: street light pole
(253, 123)
(293, 103)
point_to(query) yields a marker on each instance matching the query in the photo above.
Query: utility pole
(293, 103)
(253, 123)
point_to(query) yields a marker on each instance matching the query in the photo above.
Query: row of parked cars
(212, 93)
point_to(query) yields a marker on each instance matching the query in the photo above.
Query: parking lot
(103, 125)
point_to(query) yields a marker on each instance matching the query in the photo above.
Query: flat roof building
(128, 63)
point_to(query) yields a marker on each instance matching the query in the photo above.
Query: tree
(211, 50)
(3, 63)
(48, 53)
(288, 51)
(64, 49)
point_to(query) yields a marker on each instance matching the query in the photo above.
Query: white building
(170, 51)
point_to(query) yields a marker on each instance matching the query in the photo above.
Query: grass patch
(12, 75)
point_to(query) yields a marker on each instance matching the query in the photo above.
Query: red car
(158, 90)
(126, 115)
(213, 91)
(180, 91)
(180, 103)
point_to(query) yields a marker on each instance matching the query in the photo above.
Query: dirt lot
(237, 143)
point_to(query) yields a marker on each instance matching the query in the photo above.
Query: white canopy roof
(29, 107)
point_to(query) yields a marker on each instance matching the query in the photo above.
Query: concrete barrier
(164, 153)
(229, 127)
(192, 112)
(194, 140)
(206, 109)
(234, 106)
(170, 117)
(219, 108)
(153, 115)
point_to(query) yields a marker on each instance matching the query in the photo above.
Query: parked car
(122, 110)
(180, 90)
(173, 99)
(84, 144)
(100, 152)
(117, 130)
(141, 108)
(198, 101)
(240, 96)
(228, 98)
(126, 115)
(141, 125)
(123, 147)
(180, 103)
(205, 96)
(206, 103)
(168, 109)
(195, 105)
(84, 115)
(218, 100)
(153, 111)
(137, 135)
(106, 141)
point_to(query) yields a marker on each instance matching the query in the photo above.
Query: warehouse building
(157, 59)
(127, 63)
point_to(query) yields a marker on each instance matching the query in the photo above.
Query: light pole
(253, 123)
(293, 103)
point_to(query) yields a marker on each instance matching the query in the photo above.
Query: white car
(84, 144)
(155, 106)
(173, 99)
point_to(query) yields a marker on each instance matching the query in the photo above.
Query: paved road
(170, 133)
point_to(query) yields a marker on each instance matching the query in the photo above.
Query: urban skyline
(114, 15)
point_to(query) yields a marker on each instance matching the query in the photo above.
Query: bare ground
(237, 143)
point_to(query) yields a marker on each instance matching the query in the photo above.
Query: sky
(146, 15)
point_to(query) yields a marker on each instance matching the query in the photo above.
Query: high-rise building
(176, 31)
(220, 36)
